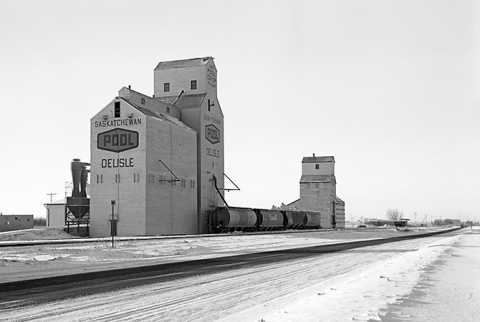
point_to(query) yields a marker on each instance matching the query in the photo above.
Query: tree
(394, 214)
(39, 221)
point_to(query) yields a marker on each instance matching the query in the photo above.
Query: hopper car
(228, 219)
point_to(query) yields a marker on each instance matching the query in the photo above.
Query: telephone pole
(51, 194)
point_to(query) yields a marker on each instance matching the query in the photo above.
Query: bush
(39, 221)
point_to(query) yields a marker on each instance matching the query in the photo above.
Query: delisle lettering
(117, 163)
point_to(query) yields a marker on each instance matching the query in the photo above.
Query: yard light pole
(113, 225)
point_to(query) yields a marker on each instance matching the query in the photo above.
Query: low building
(386, 222)
(55, 216)
(15, 222)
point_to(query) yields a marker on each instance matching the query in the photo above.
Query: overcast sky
(389, 88)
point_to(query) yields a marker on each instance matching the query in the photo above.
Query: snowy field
(439, 282)
(428, 279)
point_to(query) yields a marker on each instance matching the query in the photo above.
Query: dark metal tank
(294, 219)
(235, 218)
(78, 204)
(270, 219)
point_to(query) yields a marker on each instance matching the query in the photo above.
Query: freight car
(228, 219)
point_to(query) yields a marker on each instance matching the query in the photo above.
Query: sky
(391, 89)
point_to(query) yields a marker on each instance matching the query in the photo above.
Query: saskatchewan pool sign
(117, 140)
(212, 133)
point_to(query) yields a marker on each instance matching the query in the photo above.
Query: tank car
(312, 220)
(233, 219)
(230, 219)
(269, 220)
(294, 219)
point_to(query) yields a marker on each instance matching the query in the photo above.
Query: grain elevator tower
(191, 85)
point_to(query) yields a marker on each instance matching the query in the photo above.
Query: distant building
(456, 222)
(386, 222)
(15, 222)
(318, 191)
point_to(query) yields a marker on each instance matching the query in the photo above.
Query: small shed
(56, 214)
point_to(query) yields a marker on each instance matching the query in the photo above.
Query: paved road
(40, 291)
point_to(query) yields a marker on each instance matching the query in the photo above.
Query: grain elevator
(159, 158)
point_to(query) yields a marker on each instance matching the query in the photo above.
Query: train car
(225, 219)
(294, 219)
(313, 220)
(268, 220)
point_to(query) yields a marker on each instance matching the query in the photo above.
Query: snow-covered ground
(44, 260)
(440, 282)
(427, 279)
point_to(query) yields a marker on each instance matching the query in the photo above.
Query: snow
(19, 263)
(436, 283)
(426, 279)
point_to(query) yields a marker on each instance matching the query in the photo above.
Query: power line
(19, 191)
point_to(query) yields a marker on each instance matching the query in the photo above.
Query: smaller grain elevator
(318, 191)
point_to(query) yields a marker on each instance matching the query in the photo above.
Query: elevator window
(117, 109)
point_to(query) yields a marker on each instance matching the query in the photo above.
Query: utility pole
(51, 194)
